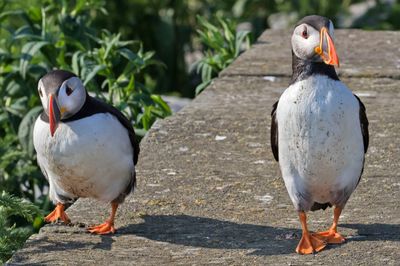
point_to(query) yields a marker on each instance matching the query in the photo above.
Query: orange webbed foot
(108, 226)
(57, 214)
(331, 236)
(105, 228)
(310, 244)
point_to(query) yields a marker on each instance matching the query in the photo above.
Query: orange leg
(57, 214)
(332, 236)
(108, 226)
(308, 243)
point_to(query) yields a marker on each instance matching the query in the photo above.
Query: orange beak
(326, 48)
(54, 114)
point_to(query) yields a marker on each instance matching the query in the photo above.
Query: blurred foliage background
(128, 52)
(168, 27)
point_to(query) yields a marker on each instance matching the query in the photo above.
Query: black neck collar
(90, 107)
(303, 69)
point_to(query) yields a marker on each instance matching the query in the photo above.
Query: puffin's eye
(68, 90)
(304, 33)
(40, 93)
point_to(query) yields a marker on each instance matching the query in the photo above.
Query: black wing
(93, 106)
(364, 124)
(274, 132)
(364, 130)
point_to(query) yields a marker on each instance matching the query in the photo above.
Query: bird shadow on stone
(106, 242)
(375, 231)
(46, 245)
(212, 233)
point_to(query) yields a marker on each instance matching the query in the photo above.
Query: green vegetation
(223, 46)
(11, 236)
(169, 27)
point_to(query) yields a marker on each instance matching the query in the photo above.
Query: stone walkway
(209, 191)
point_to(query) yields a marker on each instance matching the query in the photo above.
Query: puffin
(85, 148)
(319, 132)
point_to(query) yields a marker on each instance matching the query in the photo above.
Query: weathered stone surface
(209, 191)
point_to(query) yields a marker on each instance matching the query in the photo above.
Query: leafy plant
(224, 45)
(11, 236)
(169, 28)
(113, 72)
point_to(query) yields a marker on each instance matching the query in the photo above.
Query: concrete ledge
(209, 191)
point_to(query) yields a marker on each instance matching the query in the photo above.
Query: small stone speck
(219, 138)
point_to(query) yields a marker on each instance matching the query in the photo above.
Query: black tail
(318, 206)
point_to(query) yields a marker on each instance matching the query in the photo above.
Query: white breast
(320, 142)
(89, 157)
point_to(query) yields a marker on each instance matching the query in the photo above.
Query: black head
(312, 40)
(313, 48)
(53, 80)
(62, 94)
(315, 21)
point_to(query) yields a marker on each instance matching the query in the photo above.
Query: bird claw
(57, 214)
(105, 228)
(309, 244)
(331, 237)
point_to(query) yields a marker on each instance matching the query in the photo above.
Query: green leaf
(206, 72)
(228, 30)
(28, 51)
(93, 73)
(25, 130)
(241, 37)
(12, 13)
(25, 32)
(17, 107)
(13, 88)
(202, 86)
(140, 132)
(128, 54)
(203, 22)
(165, 107)
(147, 117)
(16, 206)
(75, 62)
(110, 45)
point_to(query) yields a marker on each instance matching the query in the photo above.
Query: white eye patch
(71, 96)
(304, 47)
(72, 83)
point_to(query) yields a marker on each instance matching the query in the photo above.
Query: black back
(274, 132)
(317, 22)
(364, 124)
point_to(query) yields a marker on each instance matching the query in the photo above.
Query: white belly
(90, 157)
(320, 142)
